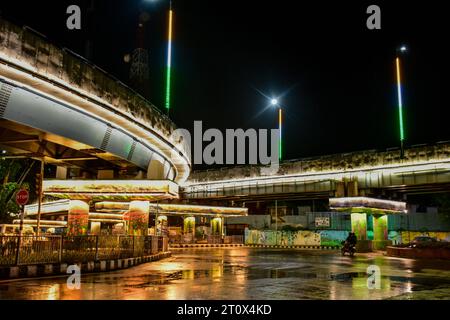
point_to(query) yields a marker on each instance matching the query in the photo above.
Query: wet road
(242, 273)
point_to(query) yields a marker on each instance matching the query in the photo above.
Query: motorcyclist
(351, 239)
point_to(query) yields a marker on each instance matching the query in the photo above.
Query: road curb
(309, 247)
(197, 245)
(49, 269)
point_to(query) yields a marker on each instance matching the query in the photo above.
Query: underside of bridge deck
(19, 141)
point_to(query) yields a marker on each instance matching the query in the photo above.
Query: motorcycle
(347, 247)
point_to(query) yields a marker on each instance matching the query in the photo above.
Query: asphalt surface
(249, 273)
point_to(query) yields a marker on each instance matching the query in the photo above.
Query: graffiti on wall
(283, 238)
(332, 237)
(325, 237)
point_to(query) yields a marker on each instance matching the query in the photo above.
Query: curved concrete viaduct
(424, 168)
(56, 106)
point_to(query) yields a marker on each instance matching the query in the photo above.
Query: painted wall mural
(284, 238)
(325, 237)
(332, 237)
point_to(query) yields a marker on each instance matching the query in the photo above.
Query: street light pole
(280, 121)
(274, 102)
(400, 100)
(40, 192)
(169, 58)
(276, 222)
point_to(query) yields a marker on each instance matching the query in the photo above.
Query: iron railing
(20, 250)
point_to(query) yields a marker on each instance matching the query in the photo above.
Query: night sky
(336, 77)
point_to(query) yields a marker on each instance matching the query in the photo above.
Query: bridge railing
(337, 162)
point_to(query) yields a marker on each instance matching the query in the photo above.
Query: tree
(13, 176)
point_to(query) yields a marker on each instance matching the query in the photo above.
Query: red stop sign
(22, 197)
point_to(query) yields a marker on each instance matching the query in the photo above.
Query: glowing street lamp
(274, 103)
(401, 50)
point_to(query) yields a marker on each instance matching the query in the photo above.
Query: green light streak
(168, 79)
(400, 102)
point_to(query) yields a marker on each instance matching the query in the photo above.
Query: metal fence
(16, 250)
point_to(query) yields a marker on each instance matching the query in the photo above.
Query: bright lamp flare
(274, 102)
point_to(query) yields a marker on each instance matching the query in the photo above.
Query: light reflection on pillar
(408, 287)
(53, 292)
(333, 284)
(189, 226)
(217, 271)
(188, 274)
(172, 293)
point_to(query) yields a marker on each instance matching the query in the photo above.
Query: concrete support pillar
(95, 228)
(78, 218)
(189, 225)
(155, 170)
(359, 225)
(352, 188)
(137, 218)
(340, 189)
(61, 173)
(380, 227)
(216, 226)
(161, 225)
(380, 232)
(223, 226)
(105, 174)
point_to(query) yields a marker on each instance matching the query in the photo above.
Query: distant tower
(139, 70)
(89, 44)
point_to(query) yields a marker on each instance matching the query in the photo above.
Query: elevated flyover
(424, 168)
(56, 106)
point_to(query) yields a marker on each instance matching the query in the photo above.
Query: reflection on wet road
(243, 273)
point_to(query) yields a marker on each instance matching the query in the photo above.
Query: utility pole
(41, 182)
(276, 222)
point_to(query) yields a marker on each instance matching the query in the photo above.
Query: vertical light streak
(279, 127)
(169, 61)
(400, 102)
